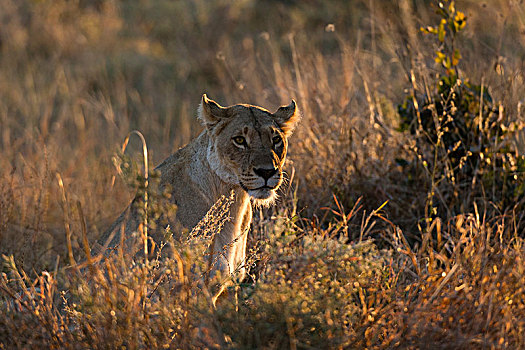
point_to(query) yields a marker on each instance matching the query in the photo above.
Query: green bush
(311, 293)
(464, 139)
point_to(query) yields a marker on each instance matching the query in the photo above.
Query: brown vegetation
(419, 160)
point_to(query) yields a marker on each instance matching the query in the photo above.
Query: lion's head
(248, 145)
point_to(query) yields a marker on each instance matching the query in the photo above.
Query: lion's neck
(240, 209)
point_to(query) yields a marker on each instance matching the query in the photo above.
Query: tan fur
(213, 165)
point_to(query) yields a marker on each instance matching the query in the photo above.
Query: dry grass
(441, 265)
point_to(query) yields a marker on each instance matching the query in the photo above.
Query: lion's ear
(210, 112)
(287, 117)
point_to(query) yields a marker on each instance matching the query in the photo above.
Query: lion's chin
(263, 196)
(262, 193)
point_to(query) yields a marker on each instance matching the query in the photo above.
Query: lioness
(242, 149)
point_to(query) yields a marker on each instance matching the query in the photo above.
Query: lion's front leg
(227, 257)
(219, 268)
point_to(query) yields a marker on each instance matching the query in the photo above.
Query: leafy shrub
(465, 140)
(311, 293)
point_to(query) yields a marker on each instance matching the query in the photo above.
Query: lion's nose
(265, 173)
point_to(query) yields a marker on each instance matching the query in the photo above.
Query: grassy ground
(440, 265)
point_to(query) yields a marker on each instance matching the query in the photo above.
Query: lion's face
(248, 145)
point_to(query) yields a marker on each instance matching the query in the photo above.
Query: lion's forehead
(247, 120)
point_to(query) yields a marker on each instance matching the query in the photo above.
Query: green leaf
(451, 7)
(440, 57)
(441, 30)
(456, 57)
(446, 63)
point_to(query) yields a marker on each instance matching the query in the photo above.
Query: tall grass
(372, 245)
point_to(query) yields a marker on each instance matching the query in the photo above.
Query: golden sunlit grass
(400, 229)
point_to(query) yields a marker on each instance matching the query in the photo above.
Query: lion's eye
(239, 140)
(277, 140)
